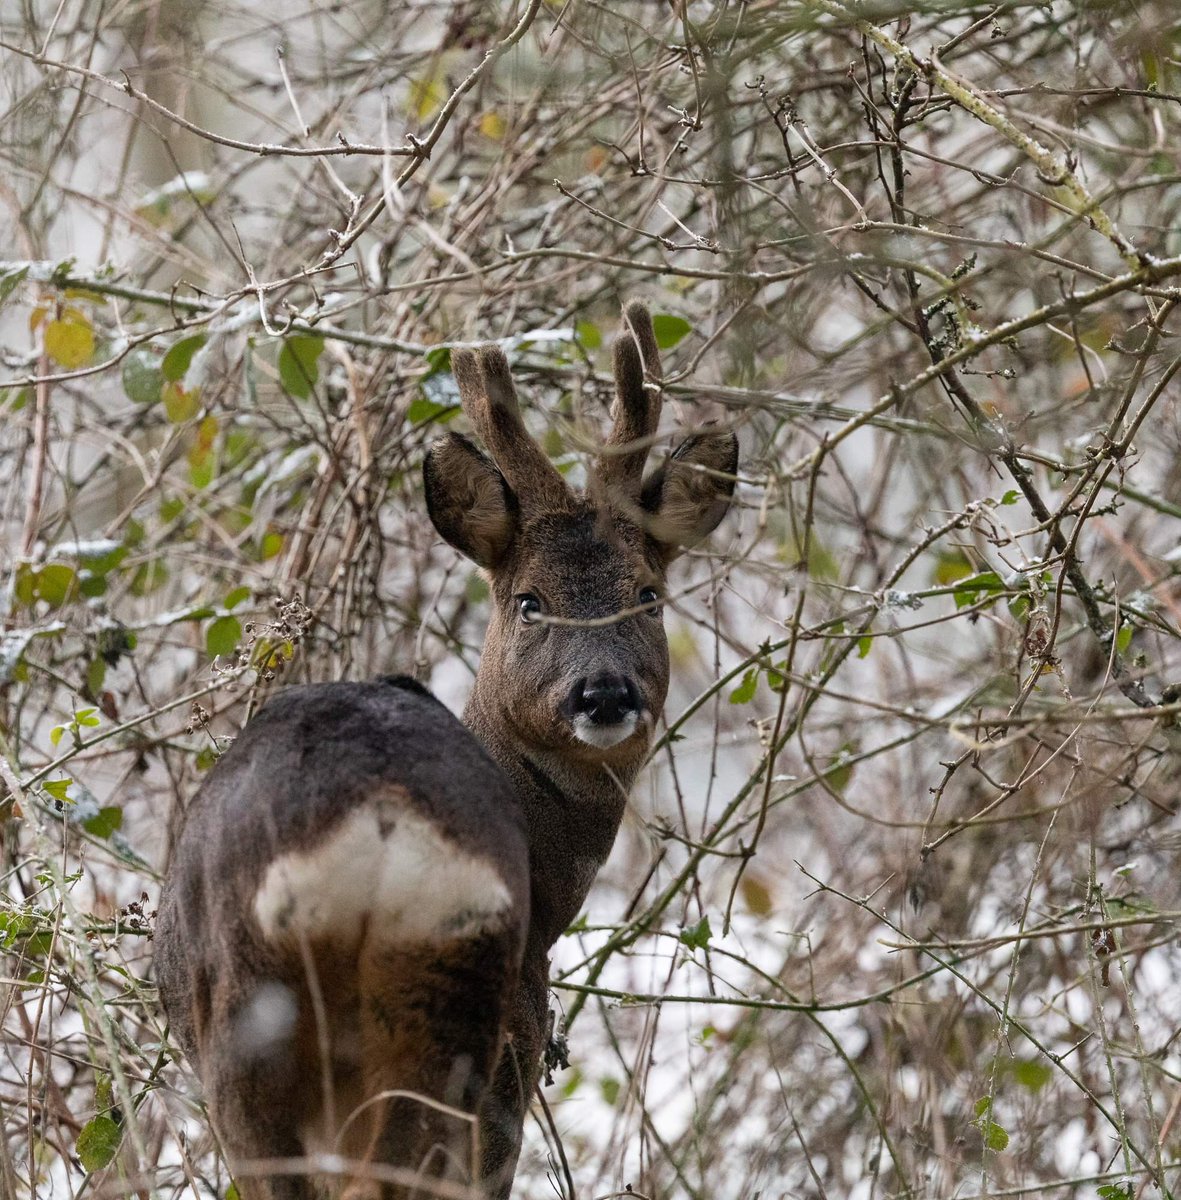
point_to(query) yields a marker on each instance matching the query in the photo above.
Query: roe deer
(353, 941)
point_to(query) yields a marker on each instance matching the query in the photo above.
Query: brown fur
(522, 792)
(490, 402)
(687, 497)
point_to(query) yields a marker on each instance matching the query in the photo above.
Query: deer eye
(529, 607)
(650, 600)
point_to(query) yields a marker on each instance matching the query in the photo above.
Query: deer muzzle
(604, 709)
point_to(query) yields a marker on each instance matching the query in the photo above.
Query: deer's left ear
(686, 497)
(469, 502)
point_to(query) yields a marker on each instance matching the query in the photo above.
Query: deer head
(576, 660)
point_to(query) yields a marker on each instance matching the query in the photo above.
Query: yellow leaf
(203, 444)
(756, 894)
(206, 433)
(492, 126)
(37, 316)
(272, 543)
(426, 96)
(70, 343)
(951, 565)
(179, 404)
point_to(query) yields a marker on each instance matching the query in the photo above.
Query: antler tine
(637, 407)
(490, 402)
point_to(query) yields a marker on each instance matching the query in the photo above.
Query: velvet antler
(490, 402)
(637, 404)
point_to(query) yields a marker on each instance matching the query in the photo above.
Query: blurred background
(894, 909)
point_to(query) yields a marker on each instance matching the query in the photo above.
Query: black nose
(606, 699)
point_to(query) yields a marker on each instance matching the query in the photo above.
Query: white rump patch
(387, 864)
(603, 737)
(266, 1020)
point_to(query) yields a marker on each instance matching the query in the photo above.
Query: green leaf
(588, 335)
(237, 596)
(995, 1138)
(142, 377)
(223, 635)
(669, 329)
(20, 398)
(950, 566)
(476, 588)
(1010, 497)
(299, 368)
(232, 1192)
(176, 362)
(609, 1090)
(744, 693)
(698, 937)
(25, 587)
(838, 775)
(98, 1142)
(201, 472)
(1116, 1191)
(62, 272)
(58, 788)
(1031, 1073)
(423, 410)
(55, 734)
(171, 508)
(1123, 639)
(96, 674)
(976, 587)
(438, 361)
(10, 280)
(104, 822)
(102, 560)
(864, 645)
(40, 941)
(55, 581)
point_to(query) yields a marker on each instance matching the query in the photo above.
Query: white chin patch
(602, 737)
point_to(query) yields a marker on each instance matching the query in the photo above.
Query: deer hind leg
(432, 1027)
(255, 1107)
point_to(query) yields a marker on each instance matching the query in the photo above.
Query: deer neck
(572, 811)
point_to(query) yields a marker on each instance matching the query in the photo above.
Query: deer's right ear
(469, 502)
